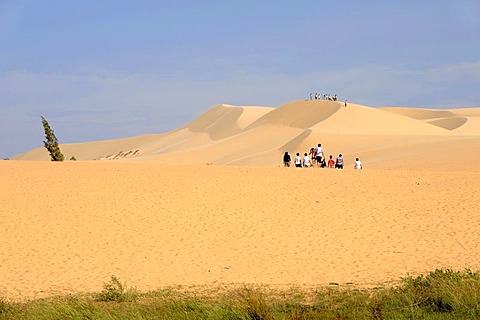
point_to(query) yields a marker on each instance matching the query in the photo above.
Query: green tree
(52, 143)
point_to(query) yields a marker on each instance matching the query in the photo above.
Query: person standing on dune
(319, 154)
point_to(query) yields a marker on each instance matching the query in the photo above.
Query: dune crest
(419, 114)
(463, 121)
(300, 114)
(218, 122)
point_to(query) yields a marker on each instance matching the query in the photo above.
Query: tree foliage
(51, 143)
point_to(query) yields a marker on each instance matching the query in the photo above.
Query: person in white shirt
(306, 161)
(339, 162)
(298, 161)
(358, 164)
(319, 155)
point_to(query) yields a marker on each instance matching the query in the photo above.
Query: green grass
(442, 294)
(114, 290)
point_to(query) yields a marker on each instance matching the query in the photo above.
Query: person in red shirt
(331, 162)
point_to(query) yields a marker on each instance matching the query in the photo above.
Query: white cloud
(104, 104)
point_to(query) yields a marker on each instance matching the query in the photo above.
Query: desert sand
(209, 204)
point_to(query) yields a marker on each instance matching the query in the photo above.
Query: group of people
(316, 158)
(325, 96)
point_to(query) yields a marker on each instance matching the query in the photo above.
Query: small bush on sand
(255, 304)
(445, 291)
(116, 291)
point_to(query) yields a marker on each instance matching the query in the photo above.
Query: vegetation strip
(442, 294)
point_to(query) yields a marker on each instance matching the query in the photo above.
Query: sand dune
(358, 119)
(450, 123)
(149, 210)
(246, 135)
(94, 150)
(425, 114)
(299, 114)
(466, 112)
(218, 122)
(463, 121)
(419, 113)
(251, 114)
(223, 120)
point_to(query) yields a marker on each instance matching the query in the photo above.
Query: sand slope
(464, 121)
(225, 134)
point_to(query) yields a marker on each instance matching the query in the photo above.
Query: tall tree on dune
(52, 143)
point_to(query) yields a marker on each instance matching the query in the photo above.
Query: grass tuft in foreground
(114, 290)
(442, 294)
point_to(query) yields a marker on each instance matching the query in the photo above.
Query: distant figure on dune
(286, 159)
(345, 103)
(310, 96)
(298, 161)
(306, 161)
(339, 162)
(331, 162)
(358, 164)
(329, 97)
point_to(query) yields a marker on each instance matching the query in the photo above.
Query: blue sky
(110, 69)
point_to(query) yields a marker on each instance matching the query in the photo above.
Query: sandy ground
(67, 227)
